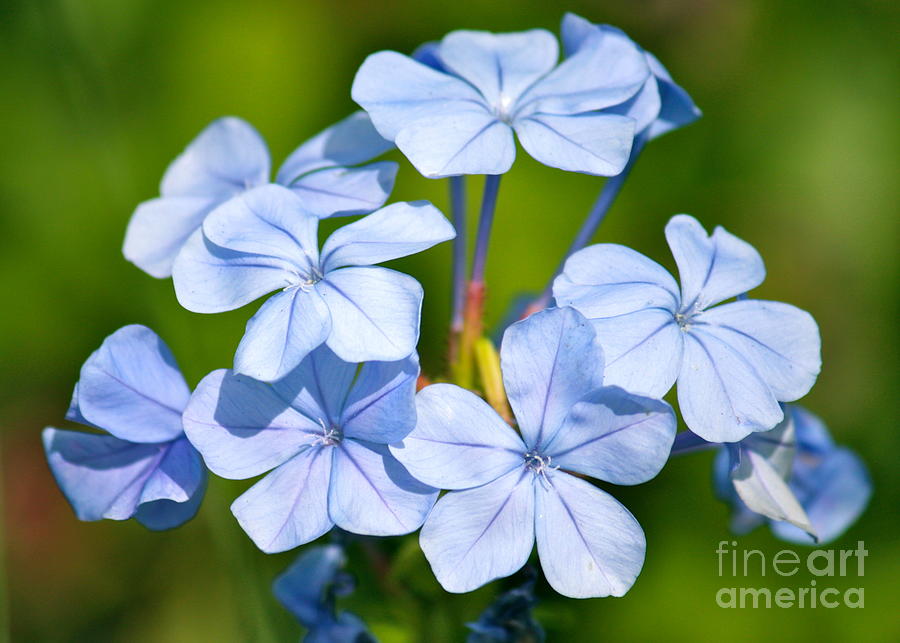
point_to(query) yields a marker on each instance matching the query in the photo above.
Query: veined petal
(615, 436)
(643, 107)
(593, 143)
(178, 476)
(374, 313)
(468, 141)
(712, 268)
(399, 230)
(574, 30)
(131, 386)
(606, 279)
(677, 109)
(549, 361)
(286, 328)
(590, 545)
(289, 507)
(459, 441)
(372, 494)
(381, 406)
(475, 536)
(396, 91)
(781, 341)
(721, 397)
(160, 515)
(159, 228)
(341, 191)
(243, 427)
(500, 66)
(319, 386)
(226, 158)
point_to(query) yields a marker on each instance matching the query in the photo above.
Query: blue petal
(812, 434)
(429, 53)
(100, 475)
(500, 66)
(374, 313)
(475, 536)
(158, 230)
(615, 436)
(574, 31)
(346, 627)
(289, 507)
(226, 158)
(340, 192)
(593, 143)
(303, 586)
(396, 91)
(643, 107)
(73, 413)
(778, 446)
(712, 268)
(589, 544)
(781, 341)
(459, 441)
(399, 230)
(178, 476)
(131, 386)
(677, 109)
(160, 515)
(243, 427)
(721, 396)
(549, 361)
(372, 494)
(318, 387)
(282, 333)
(381, 406)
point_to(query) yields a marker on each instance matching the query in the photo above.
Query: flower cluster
(326, 397)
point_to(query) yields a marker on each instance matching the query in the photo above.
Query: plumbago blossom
(733, 363)
(510, 489)
(323, 431)
(795, 477)
(145, 467)
(229, 157)
(264, 240)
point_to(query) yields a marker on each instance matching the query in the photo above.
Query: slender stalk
(595, 217)
(473, 310)
(458, 210)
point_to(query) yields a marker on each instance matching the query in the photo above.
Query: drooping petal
(243, 427)
(500, 66)
(100, 475)
(399, 230)
(160, 515)
(712, 268)
(459, 441)
(131, 387)
(178, 475)
(677, 108)
(643, 107)
(374, 313)
(286, 328)
(615, 436)
(468, 141)
(606, 279)
(302, 587)
(811, 432)
(589, 544)
(269, 221)
(781, 341)
(743, 520)
(289, 507)
(574, 30)
(226, 158)
(721, 396)
(396, 91)
(549, 361)
(778, 446)
(159, 228)
(381, 406)
(593, 143)
(475, 536)
(372, 494)
(341, 191)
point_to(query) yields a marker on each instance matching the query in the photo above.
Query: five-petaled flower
(264, 240)
(324, 429)
(146, 469)
(230, 157)
(734, 363)
(456, 112)
(508, 490)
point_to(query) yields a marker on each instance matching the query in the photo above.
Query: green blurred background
(796, 152)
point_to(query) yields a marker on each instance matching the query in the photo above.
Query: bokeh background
(796, 152)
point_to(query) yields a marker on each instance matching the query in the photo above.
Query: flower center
(538, 463)
(331, 435)
(685, 316)
(304, 281)
(503, 108)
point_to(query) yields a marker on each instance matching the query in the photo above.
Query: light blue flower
(794, 477)
(323, 431)
(308, 589)
(146, 468)
(455, 112)
(229, 157)
(660, 106)
(734, 363)
(264, 240)
(509, 490)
